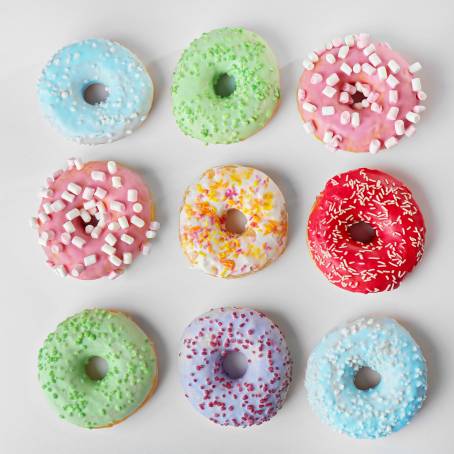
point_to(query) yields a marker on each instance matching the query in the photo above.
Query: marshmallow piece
(308, 65)
(78, 241)
(47, 207)
(412, 117)
(313, 57)
(100, 193)
(33, 222)
(374, 59)
(391, 142)
(97, 175)
(150, 234)
(58, 205)
(146, 247)
(410, 131)
(343, 52)
(344, 97)
(329, 91)
(355, 119)
(72, 214)
(392, 81)
(330, 58)
(123, 222)
(137, 207)
(399, 127)
(422, 96)
(61, 270)
(368, 69)
(128, 239)
(85, 215)
(101, 208)
(392, 113)
(139, 222)
(65, 238)
(108, 249)
(110, 239)
(308, 127)
(68, 196)
(69, 227)
(45, 193)
(374, 146)
(132, 195)
(113, 226)
(349, 40)
(127, 258)
(89, 228)
(346, 69)
(415, 67)
(369, 49)
(393, 96)
(332, 79)
(88, 193)
(376, 108)
(116, 261)
(116, 182)
(357, 68)
(90, 260)
(345, 117)
(419, 108)
(117, 206)
(78, 164)
(74, 188)
(316, 78)
(328, 136)
(328, 110)
(96, 232)
(381, 72)
(77, 270)
(89, 204)
(416, 84)
(112, 167)
(393, 66)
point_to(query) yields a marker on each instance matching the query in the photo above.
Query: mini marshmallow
(74, 188)
(47, 207)
(116, 261)
(399, 127)
(89, 228)
(410, 131)
(128, 239)
(357, 68)
(349, 40)
(112, 167)
(137, 207)
(328, 110)
(392, 113)
(113, 226)
(132, 195)
(72, 214)
(328, 136)
(355, 120)
(351, 89)
(382, 73)
(369, 49)
(150, 234)
(376, 108)
(85, 215)
(343, 52)
(419, 108)
(110, 239)
(416, 84)
(308, 65)
(90, 204)
(415, 67)
(316, 78)
(58, 205)
(61, 270)
(313, 57)
(330, 58)
(97, 175)
(332, 79)
(393, 96)
(33, 222)
(422, 96)
(96, 232)
(108, 249)
(56, 248)
(127, 258)
(116, 182)
(345, 68)
(77, 270)
(337, 42)
(69, 227)
(391, 142)
(374, 59)
(392, 81)
(68, 196)
(78, 242)
(345, 117)
(90, 260)
(78, 164)
(101, 207)
(65, 238)
(412, 117)
(368, 69)
(100, 193)
(329, 91)
(309, 127)
(374, 146)
(139, 222)
(344, 97)
(146, 247)
(46, 193)
(117, 206)
(88, 193)
(393, 66)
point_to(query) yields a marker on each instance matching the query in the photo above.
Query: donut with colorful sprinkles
(94, 219)
(204, 235)
(376, 410)
(359, 96)
(239, 401)
(371, 200)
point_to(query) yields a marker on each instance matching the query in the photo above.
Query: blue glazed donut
(382, 345)
(71, 70)
(256, 396)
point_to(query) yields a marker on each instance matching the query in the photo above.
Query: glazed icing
(260, 392)
(72, 69)
(205, 240)
(384, 346)
(132, 368)
(115, 233)
(329, 84)
(382, 201)
(241, 54)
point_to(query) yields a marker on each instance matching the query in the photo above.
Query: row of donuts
(95, 218)
(228, 397)
(353, 94)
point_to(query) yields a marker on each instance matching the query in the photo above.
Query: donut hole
(234, 364)
(362, 232)
(358, 97)
(95, 93)
(224, 85)
(366, 378)
(96, 368)
(235, 221)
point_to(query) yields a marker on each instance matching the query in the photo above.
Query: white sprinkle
(419, 108)
(357, 68)
(329, 91)
(88, 193)
(96, 232)
(393, 66)
(128, 239)
(365, 103)
(392, 81)
(110, 239)
(308, 107)
(100, 193)
(61, 270)
(116, 182)
(374, 59)
(139, 222)
(392, 113)
(415, 67)
(349, 40)
(123, 222)
(47, 207)
(345, 117)
(127, 258)
(343, 52)
(344, 97)
(78, 242)
(117, 206)
(316, 78)
(345, 68)
(90, 204)
(58, 205)
(328, 110)
(77, 270)
(399, 127)
(328, 136)
(112, 167)
(115, 260)
(65, 238)
(146, 247)
(422, 96)
(108, 249)
(74, 188)
(332, 79)
(72, 214)
(374, 146)
(355, 119)
(368, 69)
(90, 260)
(382, 73)
(68, 196)
(369, 49)
(410, 131)
(312, 56)
(377, 108)
(308, 65)
(363, 40)
(416, 84)
(150, 234)
(391, 142)
(330, 58)
(393, 96)
(412, 117)
(97, 175)
(78, 164)
(137, 207)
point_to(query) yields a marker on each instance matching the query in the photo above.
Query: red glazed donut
(358, 96)
(380, 200)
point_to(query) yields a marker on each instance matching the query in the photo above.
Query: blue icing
(382, 345)
(73, 69)
(251, 399)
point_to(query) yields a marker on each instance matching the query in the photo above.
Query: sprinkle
(328, 110)
(363, 40)
(374, 146)
(97, 175)
(376, 107)
(419, 108)
(96, 232)
(343, 52)
(308, 65)
(100, 193)
(355, 119)
(110, 239)
(150, 234)
(345, 117)
(33, 222)
(368, 69)
(117, 206)
(78, 164)
(115, 260)
(410, 131)
(65, 238)
(90, 204)
(89, 228)
(393, 96)
(72, 214)
(345, 68)
(68, 196)
(392, 81)
(108, 249)
(128, 239)
(101, 207)
(116, 182)
(381, 72)
(344, 97)
(312, 56)
(139, 222)
(43, 217)
(77, 270)
(328, 136)
(47, 207)
(61, 270)
(416, 84)
(123, 222)
(58, 205)
(74, 188)
(399, 127)
(329, 91)
(114, 274)
(374, 59)
(412, 117)
(422, 96)
(69, 227)
(393, 66)
(369, 49)
(78, 242)
(391, 142)
(349, 40)
(112, 167)
(392, 113)
(415, 67)
(316, 78)
(113, 226)
(90, 260)
(127, 258)
(357, 68)
(332, 79)
(309, 126)
(137, 207)
(330, 58)
(85, 215)
(88, 193)
(301, 94)
(146, 247)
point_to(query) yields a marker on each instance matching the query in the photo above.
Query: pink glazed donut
(358, 96)
(94, 219)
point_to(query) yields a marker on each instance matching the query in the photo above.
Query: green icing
(241, 54)
(132, 368)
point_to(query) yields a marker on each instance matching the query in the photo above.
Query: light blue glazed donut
(71, 70)
(382, 345)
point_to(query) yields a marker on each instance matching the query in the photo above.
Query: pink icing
(70, 256)
(373, 125)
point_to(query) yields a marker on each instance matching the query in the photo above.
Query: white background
(160, 291)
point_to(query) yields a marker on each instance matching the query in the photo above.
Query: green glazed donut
(130, 379)
(225, 86)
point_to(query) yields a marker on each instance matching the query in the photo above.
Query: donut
(204, 237)
(226, 86)
(131, 378)
(94, 219)
(62, 91)
(374, 198)
(359, 96)
(382, 345)
(243, 401)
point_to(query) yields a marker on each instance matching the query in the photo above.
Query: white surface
(160, 291)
